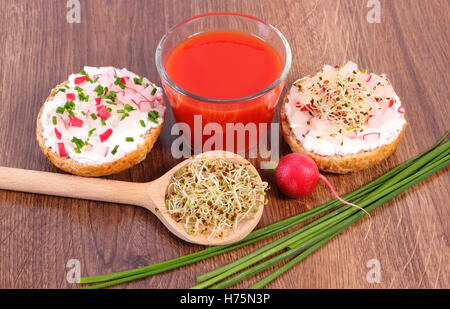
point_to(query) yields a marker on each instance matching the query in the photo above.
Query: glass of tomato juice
(223, 74)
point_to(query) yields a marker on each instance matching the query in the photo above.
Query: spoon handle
(74, 186)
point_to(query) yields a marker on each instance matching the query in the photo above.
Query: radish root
(337, 196)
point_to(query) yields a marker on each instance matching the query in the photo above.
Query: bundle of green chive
(300, 243)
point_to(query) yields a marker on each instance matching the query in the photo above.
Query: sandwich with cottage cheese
(344, 118)
(100, 122)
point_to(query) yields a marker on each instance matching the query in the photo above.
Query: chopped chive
(60, 110)
(109, 109)
(129, 108)
(142, 122)
(61, 90)
(78, 143)
(78, 88)
(111, 102)
(112, 95)
(118, 82)
(70, 105)
(83, 97)
(153, 116)
(91, 132)
(99, 90)
(103, 121)
(114, 151)
(94, 116)
(54, 120)
(120, 111)
(138, 81)
(129, 139)
(153, 91)
(83, 72)
(124, 116)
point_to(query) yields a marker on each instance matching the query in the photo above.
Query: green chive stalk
(263, 282)
(329, 227)
(327, 232)
(262, 233)
(298, 237)
(229, 269)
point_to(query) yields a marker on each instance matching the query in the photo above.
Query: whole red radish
(297, 175)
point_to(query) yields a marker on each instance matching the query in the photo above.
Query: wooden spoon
(150, 195)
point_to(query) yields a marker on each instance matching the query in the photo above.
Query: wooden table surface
(39, 49)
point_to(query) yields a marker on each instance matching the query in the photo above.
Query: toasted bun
(71, 166)
(337, 163)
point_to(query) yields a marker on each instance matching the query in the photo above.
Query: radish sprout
(214, 196)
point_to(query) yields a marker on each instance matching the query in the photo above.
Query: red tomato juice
(223, 65)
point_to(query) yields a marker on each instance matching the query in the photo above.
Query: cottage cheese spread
(101, 114)
(343, 110)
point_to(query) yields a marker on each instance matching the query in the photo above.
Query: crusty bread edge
(337, 163)
(71, 166)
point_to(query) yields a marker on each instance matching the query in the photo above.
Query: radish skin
(297, 176)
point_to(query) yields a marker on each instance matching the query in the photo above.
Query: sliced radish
(352, 134)
(384, 91)
(145, 106)
(327, 68)
(81, 79)
(301, 131)
(105, 135)
(133, 102)
(391, 102)
(390, 114)
(61, 127)
(307, 107)
(62, 150)
(401, 110)
(99, 150)
(136, 88)
(63, 121)
(371, 137)
(70, 96)
(349, 67)
(384, 104)
(131, 90)
(124, 97)
(75, 122)
(109, 71)
(98, 101)
(58, 134)
(104, 79)
(375, 121)
(88, 147)
(103, 113)
(319, 125)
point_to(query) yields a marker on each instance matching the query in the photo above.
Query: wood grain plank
(38, 234)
